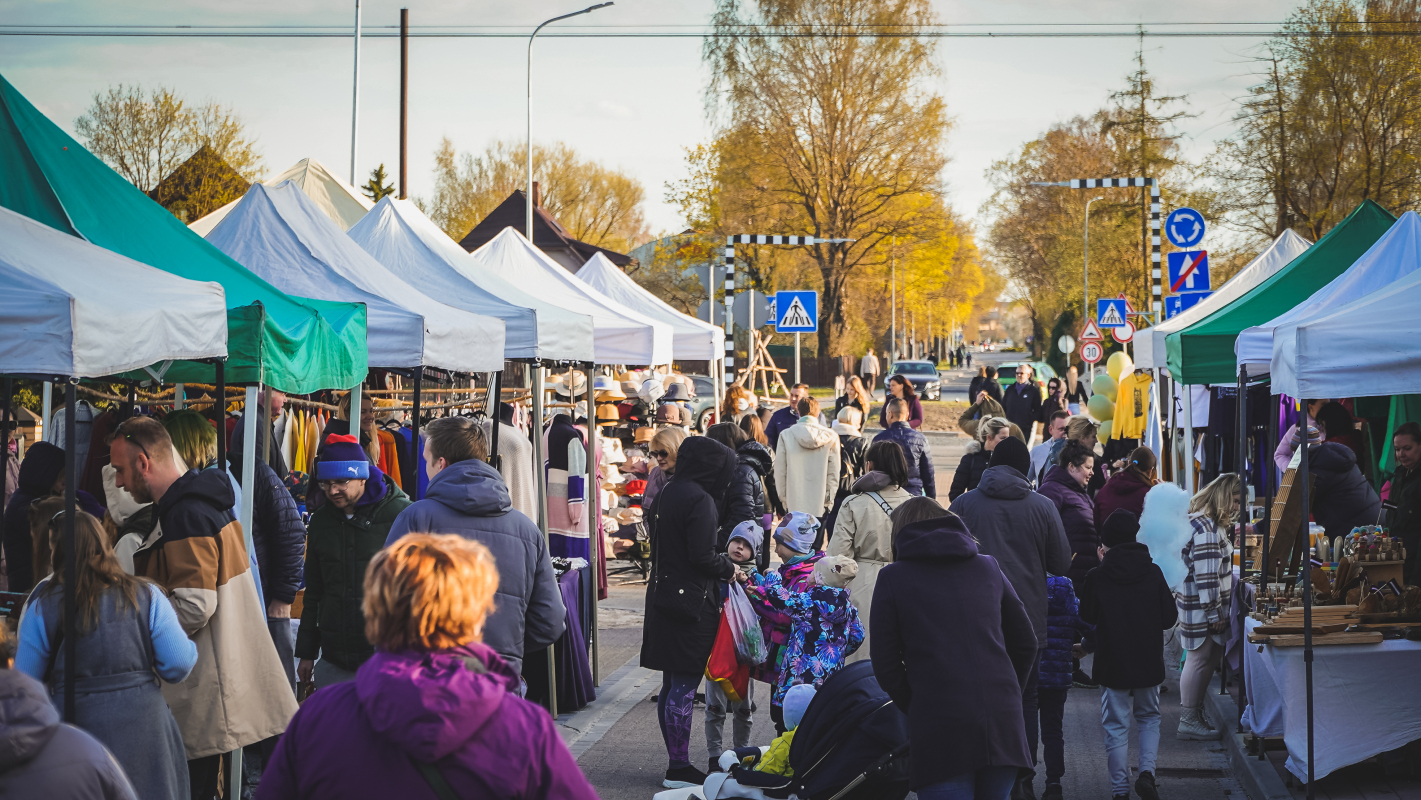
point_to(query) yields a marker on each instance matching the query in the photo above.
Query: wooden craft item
(1362, 637)
(1277, 628)
(1288, 544)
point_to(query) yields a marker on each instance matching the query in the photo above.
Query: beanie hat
(1012, 452)
(1119, 528)
(835, 571)
(797, 532)
(751, 532)
(342, 459)
(797, 701)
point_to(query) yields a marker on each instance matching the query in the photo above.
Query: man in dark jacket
(1342, 499)
(41, 474)
(1022, 531)
(921, 479)
(1130, 603)
(1022, 401)
(347, 531)
(468, 497)
(787, 416)
(1404, 502)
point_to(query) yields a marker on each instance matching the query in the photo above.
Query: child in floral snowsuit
(812, 627)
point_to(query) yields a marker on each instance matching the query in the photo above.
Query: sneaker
(1080, 680)
(1146, 787)
(1193, 728)
(1052, 792)
(683, 777)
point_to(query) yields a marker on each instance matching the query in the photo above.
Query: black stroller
(853, 745)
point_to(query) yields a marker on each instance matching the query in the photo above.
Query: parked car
(922, 374)
(703, 403)
(1006, 374)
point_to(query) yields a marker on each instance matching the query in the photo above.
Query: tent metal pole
(594, 522)
(71, 485)
(5, 426)
(418, 454)
(1305, 578)
(220, 414)
(1241, 536)
(249, 464)
(267, 425)
(540, 464)
(179, 396)
(46, 405)
(1188, 392)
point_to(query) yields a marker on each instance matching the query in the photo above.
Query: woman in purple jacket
(434, 712)
(1065, 486)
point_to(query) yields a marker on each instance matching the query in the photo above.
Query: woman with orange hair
(434, 710)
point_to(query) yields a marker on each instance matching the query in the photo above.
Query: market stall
(692, 339)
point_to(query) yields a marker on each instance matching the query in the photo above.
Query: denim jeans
(1116, 708)
(987, 783)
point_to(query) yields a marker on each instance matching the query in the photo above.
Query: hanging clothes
(91, 479)
(389, 457)
(84, 414)
(1132, 406)
(516, 466)
(566, 469)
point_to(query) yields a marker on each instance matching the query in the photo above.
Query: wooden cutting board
(1317, 629)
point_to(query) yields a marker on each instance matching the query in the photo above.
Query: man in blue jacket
(468, 497)
(787, 416)
(915, 448)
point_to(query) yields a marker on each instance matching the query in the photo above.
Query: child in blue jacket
(1063, 627)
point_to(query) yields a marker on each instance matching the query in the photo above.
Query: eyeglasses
(659, 454)
(326, 485)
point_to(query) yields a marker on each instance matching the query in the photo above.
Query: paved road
(618, 743)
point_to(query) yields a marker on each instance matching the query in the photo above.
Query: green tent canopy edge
(298, 345)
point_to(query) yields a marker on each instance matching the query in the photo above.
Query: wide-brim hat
(627, 377)
(567, 386)
(607, 415)
(651, 390)
(613, 395)
(676, 392)
(602, 383)
(643, 435)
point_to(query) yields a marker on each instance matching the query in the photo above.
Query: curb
(1259, 778)
(619, 693)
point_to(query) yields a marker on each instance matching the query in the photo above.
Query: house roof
(548, 234)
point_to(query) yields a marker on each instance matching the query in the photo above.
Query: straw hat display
(607, 415)
(643, 435)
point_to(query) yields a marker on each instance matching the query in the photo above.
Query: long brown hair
(96, 568)
(1142, 464)
(753, 428)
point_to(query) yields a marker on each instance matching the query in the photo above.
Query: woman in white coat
(864, 529)
(807, 462)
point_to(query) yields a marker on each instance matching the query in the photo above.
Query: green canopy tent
(293, 344)
(1204, 352)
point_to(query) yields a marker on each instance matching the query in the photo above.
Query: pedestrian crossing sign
(1110, 312)
(796, 312)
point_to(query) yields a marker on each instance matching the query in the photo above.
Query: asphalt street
(618, 743)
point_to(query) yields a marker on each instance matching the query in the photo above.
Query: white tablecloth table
(1365, 700)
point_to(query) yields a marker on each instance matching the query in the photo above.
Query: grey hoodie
(39, 757)
(1022, 531)
(470, 499)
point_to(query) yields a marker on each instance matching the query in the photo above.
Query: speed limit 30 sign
(1091, 352)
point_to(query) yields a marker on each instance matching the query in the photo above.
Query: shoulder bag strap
(436, 781)
(883, 504)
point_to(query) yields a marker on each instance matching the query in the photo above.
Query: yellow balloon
(1104, 433)
(1118, 364)
(1100, 408)
(1106, 385)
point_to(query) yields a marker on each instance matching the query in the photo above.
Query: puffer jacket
(1063, 627)
(1342, 498)
(278, 537)
(40, 757)
(921, 479)
(807, 467)
(745, 499)
(762, 460)
(1077, 516)
(969, 470)
(337, 553)
(470, 499)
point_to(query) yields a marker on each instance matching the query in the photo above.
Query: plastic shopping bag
(724, 667)
(750, 646)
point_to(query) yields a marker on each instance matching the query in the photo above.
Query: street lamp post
(528, 200)
(1085, 264)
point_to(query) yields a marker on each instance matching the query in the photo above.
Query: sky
(633, 104)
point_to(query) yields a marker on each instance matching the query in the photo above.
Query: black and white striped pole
(750, 238)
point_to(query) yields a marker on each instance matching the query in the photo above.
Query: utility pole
(355, 98)
(404, 101)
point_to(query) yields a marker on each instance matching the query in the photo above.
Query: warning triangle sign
(1112, 318)
(1090, 333)
(1129, 308)
(796, 317)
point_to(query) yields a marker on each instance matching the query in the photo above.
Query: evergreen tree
(376, 188)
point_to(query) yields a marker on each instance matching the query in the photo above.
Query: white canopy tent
(398, 235)
(620, 335)
(1149, 343)
(71, 308)
(1391, 258)
(1338, 352)
(283, 236)
(693, 339)
(343, 203)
